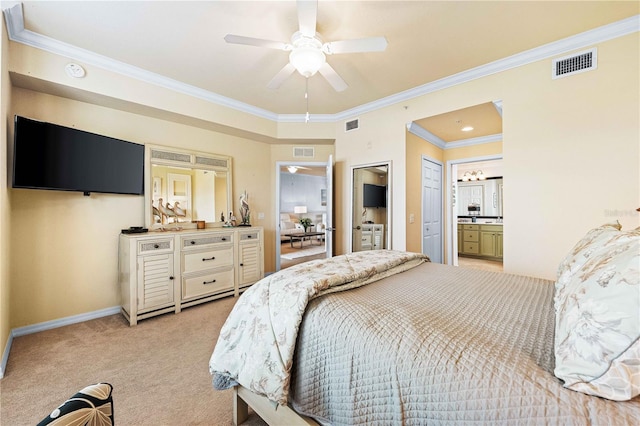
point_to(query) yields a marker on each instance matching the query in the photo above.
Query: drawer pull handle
(211, 258)
(223, 239)
(208, 282)
(242, 264)
(193, 242)
(156, 246)
(249, 236)
(171, 278)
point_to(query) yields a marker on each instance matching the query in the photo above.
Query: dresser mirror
(184, 187)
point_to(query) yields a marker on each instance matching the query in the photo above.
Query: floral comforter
(256, 344)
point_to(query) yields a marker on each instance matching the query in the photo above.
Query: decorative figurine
(245, 213)
(221, 216)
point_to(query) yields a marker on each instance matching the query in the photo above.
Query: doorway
(476, 202)
(371, 207)
(304, 196)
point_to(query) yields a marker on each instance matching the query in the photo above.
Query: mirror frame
(388, 225)
(195, 160)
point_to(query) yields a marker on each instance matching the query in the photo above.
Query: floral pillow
(597, 305)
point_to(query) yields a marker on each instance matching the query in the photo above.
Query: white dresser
(162, 272)
(372, 237)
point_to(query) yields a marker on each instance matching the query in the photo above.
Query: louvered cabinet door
(155, 281)
(250, 259)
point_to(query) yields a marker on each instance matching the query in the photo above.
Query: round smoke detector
(74, 70)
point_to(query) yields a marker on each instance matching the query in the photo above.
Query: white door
(432, 210)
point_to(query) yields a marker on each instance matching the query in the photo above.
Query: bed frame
(270, 412)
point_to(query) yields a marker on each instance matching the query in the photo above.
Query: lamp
(300, 209)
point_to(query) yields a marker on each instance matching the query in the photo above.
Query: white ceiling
(428, 40)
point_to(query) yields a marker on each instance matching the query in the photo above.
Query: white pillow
(597, 305)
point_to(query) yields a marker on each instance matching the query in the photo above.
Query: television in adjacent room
(374, 195)
(49, 156)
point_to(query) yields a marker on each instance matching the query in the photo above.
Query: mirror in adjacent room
(371, 207)
(184, 187)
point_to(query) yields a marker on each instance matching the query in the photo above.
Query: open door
(303, 190)
(328, 238)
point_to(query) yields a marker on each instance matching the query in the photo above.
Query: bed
(406, 341)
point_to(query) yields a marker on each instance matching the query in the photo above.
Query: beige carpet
(159, 369)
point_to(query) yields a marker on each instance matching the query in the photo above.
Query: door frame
(452, 192)
(442, 170)
(317, 164)
(388, 227)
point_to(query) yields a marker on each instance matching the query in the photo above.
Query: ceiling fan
(308, 52)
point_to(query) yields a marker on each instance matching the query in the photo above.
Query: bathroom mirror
(183, 187)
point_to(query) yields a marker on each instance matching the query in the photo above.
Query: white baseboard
(48, 325)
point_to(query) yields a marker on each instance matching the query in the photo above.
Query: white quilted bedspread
(256, 344)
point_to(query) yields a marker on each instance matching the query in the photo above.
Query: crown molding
(15, 28)
(426, 135)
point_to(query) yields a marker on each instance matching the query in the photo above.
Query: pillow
(92, 405)
(597, 306)
(580, 253)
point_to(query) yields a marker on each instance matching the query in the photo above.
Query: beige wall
(571, 149)
(5, 215)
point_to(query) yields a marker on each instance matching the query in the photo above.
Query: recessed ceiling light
(74, 70)
(467, 129)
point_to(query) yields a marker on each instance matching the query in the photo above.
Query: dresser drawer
(470, 227)
(250, 236)
(160, 245)
(215, 282)
(207, 259)
(473, 236)
(473, 248)
(199, 241)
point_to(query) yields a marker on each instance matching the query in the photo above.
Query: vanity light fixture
(473, 176)
(292, 169)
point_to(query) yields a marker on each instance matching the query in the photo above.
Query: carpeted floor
(159, 369)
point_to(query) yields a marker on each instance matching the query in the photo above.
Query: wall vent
(351, 125)
(574, 64)
(303, 152)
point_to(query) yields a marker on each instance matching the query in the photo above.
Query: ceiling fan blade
(282, 75)
(307, 13)
(371, 44)
(332, 77)
(259, 42)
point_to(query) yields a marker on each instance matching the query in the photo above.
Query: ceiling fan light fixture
(307, 60)
(292, 169)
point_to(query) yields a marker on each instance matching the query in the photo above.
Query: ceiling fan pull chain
(306, 97)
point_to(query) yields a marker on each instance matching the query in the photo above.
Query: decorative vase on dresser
(161, 272)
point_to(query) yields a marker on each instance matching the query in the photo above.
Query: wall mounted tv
(374, 195)
(48, 156)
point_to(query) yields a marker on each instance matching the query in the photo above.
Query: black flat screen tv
(374, 195)
(49, 156)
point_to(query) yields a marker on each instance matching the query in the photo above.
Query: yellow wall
(571, 149)
(5, 215)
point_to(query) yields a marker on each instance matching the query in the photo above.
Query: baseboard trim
(5, 356)
(74, 319)
(48, 325)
